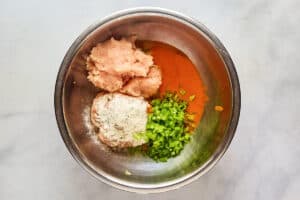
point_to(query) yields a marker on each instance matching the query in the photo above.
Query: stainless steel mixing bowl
(133, 172)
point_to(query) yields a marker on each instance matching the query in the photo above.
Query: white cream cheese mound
(119, 117)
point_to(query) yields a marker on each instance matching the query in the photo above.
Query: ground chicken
(120, 57)
(144, 86)
(117, 65)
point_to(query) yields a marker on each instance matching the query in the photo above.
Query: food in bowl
(118, 117)
(135, 172)
(151, 96)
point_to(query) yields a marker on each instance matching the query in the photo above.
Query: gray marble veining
(263, 161)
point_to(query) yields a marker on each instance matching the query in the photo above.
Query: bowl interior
(78, 93)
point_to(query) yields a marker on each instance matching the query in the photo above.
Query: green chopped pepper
(166, 129)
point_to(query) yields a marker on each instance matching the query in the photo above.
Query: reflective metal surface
(74, 94)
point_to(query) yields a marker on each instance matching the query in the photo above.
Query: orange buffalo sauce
(178, 74)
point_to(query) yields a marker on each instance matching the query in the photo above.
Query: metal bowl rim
(136, 187)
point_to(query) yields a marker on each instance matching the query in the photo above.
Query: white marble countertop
(263, 161)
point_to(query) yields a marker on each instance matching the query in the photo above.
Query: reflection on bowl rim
(174, 184)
